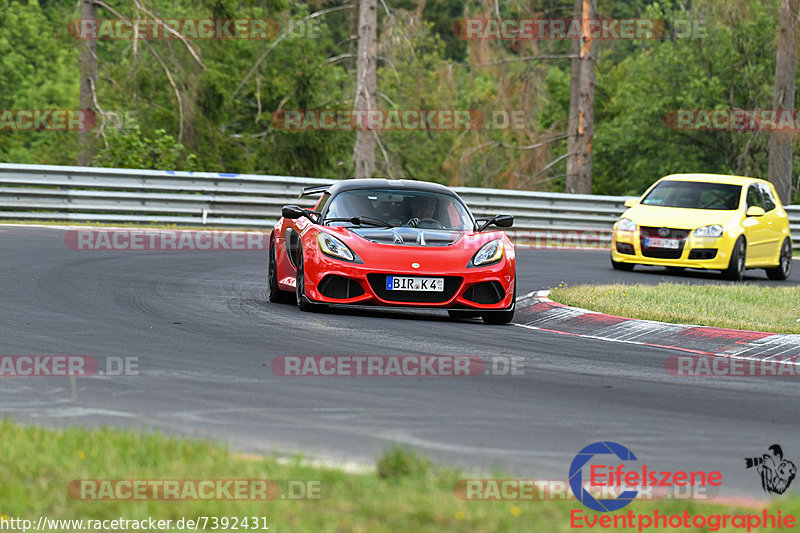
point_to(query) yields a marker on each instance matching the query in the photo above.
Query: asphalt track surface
(205, 335)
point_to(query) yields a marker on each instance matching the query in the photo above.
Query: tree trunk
(88, 73)
(582, 183)
(574, 96)
(780, 142)
(366, 85)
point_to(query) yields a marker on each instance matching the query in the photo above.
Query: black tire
(736, 266)
(463, 313)
(300, 282)
(784, 268)
(274, 293)
(497, 318)
(625, 267)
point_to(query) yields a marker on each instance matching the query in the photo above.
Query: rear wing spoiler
(314, 189)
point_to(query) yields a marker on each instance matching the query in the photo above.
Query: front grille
(661, 253)
(378, 284)
(486, 293)
(339, 287)
(702, 253)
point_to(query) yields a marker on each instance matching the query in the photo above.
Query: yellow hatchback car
(707, 221)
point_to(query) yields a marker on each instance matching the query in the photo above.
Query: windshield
(394, 207)
(694, 195)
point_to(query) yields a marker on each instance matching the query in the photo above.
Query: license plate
(401, 283)
(673, 244)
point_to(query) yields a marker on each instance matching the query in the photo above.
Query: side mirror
(630, 202)
(501, 221)
(504, 221)
(755, 211)
(292, 212)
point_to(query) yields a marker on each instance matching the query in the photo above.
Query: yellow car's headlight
(626, 224)
(714, 230)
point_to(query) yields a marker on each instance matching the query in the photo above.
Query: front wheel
(784, 268)
(496, 318)
(300, 285)
(736, 266)
(625, 267)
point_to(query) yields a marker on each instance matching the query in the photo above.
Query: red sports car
(393, 243)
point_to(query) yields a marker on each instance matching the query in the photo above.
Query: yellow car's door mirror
(630, 202)
(755, 211)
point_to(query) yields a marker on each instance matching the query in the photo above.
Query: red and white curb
(536, 311)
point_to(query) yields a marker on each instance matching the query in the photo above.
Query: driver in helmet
(422, 207)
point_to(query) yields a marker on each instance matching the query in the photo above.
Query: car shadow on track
(751, 276)
(437, 315)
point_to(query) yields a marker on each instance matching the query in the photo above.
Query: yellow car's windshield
(694, 195)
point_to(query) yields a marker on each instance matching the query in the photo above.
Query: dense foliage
(208, 104)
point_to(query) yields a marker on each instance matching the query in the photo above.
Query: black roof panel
(380, 183)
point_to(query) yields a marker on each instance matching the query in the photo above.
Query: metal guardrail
(88, 194)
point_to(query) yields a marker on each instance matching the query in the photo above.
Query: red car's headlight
(490, 253)
(333, 247)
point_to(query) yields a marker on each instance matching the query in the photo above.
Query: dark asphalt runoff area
(205, 335)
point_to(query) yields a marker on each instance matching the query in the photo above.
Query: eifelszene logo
(576, 476)
(626, 482)
(776, 472)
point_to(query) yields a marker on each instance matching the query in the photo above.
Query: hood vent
(405, 236)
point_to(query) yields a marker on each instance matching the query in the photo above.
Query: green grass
(405, 493)
(751, 307)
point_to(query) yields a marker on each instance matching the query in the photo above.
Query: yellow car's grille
(646, 232)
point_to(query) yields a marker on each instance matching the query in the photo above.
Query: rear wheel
(736, 266)
(300, 285)
(274, 293)
(784, 268)
(625, 267)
